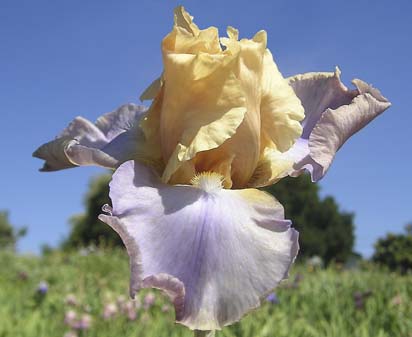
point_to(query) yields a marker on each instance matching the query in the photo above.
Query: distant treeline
(8, 234)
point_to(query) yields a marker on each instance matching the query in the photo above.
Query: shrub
(395, 251)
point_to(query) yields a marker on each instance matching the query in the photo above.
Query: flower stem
(200, 333)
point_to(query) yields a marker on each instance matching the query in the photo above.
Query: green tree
(395, 251)
(86, 228)
(9, 235)
(324, 229)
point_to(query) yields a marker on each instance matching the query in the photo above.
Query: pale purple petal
(318, 92)
(112, 140)
(333, 113)
(216, 254)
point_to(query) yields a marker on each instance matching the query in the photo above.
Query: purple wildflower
(23, 276)
(70, 318)
(71, 300)
(149, 300)
(129, 309)
(109, 311)
(272, 298)
(42, 288)
(165, 308)
(360, 298)
(84, 322)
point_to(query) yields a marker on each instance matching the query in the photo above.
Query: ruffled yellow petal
(281, 110)
(218, 110)
(281, 113)
(272, 166)
(152, 90)
(203, 105)
(187, 38)
(150, 125)
(245, 144)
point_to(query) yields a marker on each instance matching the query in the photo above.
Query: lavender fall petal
(215, 252)
(333, 114)
(113, 139)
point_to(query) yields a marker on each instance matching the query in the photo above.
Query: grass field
(86, 295)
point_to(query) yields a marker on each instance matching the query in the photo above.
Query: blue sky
(61, 59)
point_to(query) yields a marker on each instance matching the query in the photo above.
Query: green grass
(322, 304)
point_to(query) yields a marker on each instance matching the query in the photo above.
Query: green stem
(200, 333)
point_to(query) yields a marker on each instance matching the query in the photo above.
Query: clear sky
(61, 59)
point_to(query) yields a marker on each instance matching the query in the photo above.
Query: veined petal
(274, 165)
(187, 38)
(333, 114)
(319, 91)
(113, 139)
(215, 252)
(244, 146)
(152, 90)
(203, 105)
(236, 157)
(281, 109)
(199, 103)
(281, 113)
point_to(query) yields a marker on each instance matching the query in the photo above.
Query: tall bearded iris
(222, 122)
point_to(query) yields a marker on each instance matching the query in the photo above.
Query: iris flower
(223, 121)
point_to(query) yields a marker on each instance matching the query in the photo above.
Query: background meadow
(91, 287)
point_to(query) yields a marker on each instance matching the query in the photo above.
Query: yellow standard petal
(281, 110)
(219, 110)
(236, 158)
(245, 144)
(200, 103)
(203, 105)
(281, 113)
